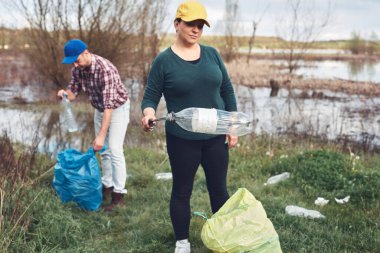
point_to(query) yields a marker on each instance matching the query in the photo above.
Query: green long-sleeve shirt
(204, 84)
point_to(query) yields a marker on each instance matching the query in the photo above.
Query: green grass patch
(143, 225)
(330, 174)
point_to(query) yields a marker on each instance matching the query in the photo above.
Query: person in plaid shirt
(100, 80)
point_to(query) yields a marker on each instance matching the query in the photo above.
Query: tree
(109, 27)
(148, 37)
(356, 44)
(300, 30)
(251, 41)
(231, 45)
(3, 36)
(372, 47)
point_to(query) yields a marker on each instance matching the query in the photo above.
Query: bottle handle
(151, 122)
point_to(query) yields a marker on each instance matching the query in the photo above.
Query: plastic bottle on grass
(164, 176)
(211, 121)
(278, 178)
(303, 212)
(68, 118)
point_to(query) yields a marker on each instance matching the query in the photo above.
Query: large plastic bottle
(68, 119)
(164, 176)
(303, 212)
(278, 178)
(211, 121)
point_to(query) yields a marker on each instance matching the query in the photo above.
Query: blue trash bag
(77, 178)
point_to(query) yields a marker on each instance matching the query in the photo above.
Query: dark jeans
(185, 157)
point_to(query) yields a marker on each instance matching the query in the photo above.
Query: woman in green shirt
(188, 74)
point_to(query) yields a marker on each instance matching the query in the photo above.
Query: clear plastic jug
(303, 212)
(68, 119)
(211, 121)
(278, 178)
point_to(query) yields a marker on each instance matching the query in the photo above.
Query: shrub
(328, 174)
(322, 171)
(364, 186)
(15, 170)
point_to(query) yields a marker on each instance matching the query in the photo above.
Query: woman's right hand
(148, 121)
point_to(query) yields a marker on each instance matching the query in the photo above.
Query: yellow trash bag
(240, 225)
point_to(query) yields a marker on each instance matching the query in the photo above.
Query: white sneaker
(182, 246)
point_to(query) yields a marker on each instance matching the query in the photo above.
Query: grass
(144, 224)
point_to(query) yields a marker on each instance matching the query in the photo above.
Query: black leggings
(185, 157)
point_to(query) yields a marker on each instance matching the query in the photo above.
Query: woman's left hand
(231, 140)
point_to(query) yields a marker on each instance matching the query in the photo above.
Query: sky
(345, 16)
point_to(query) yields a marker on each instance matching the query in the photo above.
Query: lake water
(296, 51)
(348, 70)
(352, 118)
(344, 117)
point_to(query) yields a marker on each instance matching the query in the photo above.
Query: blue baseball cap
(73, 48)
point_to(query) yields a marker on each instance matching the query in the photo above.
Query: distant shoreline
(260, 73)
(316, 57)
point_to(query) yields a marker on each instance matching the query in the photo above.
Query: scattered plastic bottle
(278, 178)
(321, 201)
(211, 121)
(303, 212)
(68, 119)
(164, 176)
(343, 201)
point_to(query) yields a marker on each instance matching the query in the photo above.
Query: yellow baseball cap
(192, 10)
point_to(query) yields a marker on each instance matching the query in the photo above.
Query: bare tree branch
(109, 27)
(231, 46)
(300, 30)
(251, 41)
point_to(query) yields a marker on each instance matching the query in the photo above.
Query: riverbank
(259, 73)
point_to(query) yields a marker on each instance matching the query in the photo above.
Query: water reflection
(43, 128)
(349, 70)
(295, 51)
(341, 116)
(355, 68)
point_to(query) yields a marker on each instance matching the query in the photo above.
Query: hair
(178, 20)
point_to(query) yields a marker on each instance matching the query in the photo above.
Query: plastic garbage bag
(77, 178)
(240, 225)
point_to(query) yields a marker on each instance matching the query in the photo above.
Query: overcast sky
(346, 16)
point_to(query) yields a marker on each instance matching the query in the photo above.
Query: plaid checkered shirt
(101, 82)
